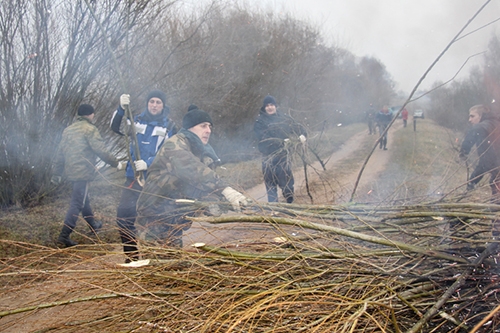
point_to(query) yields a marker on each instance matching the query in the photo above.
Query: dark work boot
(64, 239)
(175, 242)
(132, 256)
(95, 227)
(132, 252)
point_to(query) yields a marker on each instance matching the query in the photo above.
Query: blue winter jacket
(151, 133)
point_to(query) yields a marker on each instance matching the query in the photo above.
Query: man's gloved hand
(287, 144)
(302, 138)
(121, 165)
(56, 180)
(124, 101)
(140, 165)
(235, 198)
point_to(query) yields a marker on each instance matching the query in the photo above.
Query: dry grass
(346, 268)
(345, 272)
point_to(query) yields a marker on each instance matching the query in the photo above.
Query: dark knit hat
(158, 94)
(85, 110)
(195, 117)
(269, 100)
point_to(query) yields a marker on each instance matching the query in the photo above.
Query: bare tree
(53, 56)
(222, 56)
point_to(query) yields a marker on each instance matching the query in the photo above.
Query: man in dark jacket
(152, 127)
(80, 146)
(178, 172)
(383, 119)
(370, 119)
(274, 131)
(485, 135)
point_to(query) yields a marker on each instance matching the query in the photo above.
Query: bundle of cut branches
(346, 268)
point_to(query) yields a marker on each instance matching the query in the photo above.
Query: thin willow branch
(412, 93)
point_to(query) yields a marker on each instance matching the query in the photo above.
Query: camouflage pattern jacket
(178, 172)
(80, 146)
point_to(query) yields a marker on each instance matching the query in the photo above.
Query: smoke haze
(407, 36)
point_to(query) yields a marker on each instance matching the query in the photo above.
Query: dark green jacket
(79, 148)
(178, 172)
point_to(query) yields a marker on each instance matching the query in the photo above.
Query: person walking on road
(404, 115)
(177, 173)
(274, 130)
(370, 119)
(383, 119)
(77, 154)
(152, 127)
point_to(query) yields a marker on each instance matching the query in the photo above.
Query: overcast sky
(406, 35)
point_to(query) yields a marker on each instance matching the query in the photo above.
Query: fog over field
(406, 36)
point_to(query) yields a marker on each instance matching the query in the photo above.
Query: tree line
(450, 103)
(222, 56)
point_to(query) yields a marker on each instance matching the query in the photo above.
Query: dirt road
(347, 162)
(334, 185)
(331, 186)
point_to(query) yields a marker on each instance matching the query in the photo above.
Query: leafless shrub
(222, 56)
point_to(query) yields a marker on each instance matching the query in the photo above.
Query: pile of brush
(346, 268)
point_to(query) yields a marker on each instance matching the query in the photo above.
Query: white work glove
(124, 101)
(302, 138)
(140, 165)
(121, 165)
(235, 198)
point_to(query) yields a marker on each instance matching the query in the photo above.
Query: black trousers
(383, 141)
(126, 214)
(371, 126)
(80, 203)
(278, 172)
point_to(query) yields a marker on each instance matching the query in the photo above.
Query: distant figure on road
(383, 119)
(274, 130)
(485, 135)
(404, 115)
(370, 119)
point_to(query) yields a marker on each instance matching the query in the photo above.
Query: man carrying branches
(274, 130)
(152, 127)
(485, 135)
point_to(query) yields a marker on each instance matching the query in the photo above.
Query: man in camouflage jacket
(178, 172)
(80, 146)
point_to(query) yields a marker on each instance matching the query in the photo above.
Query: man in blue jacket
(153, 127)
